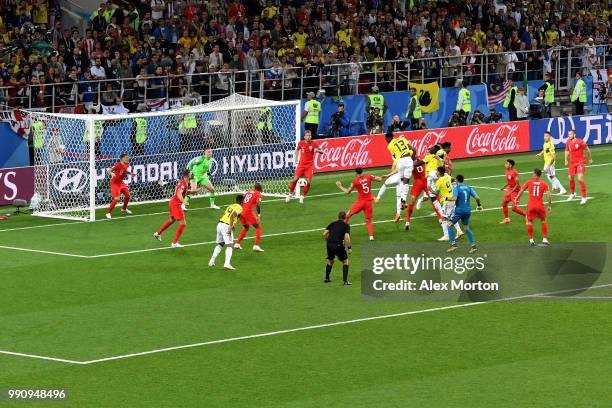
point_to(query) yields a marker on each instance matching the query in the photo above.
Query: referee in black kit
(338, 235)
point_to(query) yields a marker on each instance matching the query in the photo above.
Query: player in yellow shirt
(444, 188)
(550, 157)
(432, 161)
(225, 232)
(398, 148)
(402, 152)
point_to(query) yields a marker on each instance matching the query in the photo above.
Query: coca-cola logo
(428, 139)
(502, 139)
(352, 154)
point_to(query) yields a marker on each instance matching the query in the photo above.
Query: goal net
(253, 140)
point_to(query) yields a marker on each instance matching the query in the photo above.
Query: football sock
(437, 208)
(370, 228)
(257, 235)
(126, 200)
(583, 188)
(305, 190)
(398, 205)
(470, 235)
(178, 233)
(328, 269)
(544, 230)
(445, 228)
(451, 235)
(112, 205)
(505, 208)
(292, 187)
(212, 198)
(518, 211)
(216, 252)
(228, 254)
(345, 272)
(164, 226)
(557, 184)
(530, 230)
(458, 228)
(405, 189)
(409, 212)
(382, 190)
(572, 186)
(245, 229)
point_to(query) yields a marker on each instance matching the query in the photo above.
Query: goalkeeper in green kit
(199, 168)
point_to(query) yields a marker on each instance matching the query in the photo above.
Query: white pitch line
(38, 357)
(269, 200)
(297, 329)
(325, 325)
(276, 234)
(40, 251)
(574, 297)
(288, 233)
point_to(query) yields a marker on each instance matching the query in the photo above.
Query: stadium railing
(335, 79)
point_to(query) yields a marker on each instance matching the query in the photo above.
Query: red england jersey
(363, 185)
(512, 177)
(419, 173)
(119, 171)
(307, 152)
(536, 188)
(576, 149)
(251, 199)
(181, 187)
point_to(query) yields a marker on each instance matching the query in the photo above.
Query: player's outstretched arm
(348, 243)
(326, 234)
(344, 190)
(519, 194)
(378, 178)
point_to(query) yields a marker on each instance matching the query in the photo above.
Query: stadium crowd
(157, 48)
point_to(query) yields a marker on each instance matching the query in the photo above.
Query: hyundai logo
(70, 181)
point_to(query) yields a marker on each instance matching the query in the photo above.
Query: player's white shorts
(404, 167)
(550, 170)
(393, 180)
(432, 177)
(224, 234)
(448, 209)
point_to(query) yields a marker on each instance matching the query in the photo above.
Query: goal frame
(90, 119)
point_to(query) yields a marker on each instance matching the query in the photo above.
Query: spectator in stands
(397, 125)
(521, 103)
(537, 108)
(110, 97)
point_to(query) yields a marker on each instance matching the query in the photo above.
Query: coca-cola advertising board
(16, 183)
(467, 141)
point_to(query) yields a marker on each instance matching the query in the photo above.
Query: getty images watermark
(402, 271)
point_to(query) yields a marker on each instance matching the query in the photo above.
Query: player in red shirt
(252, 200)
(419, 186)
(363, 185)
(574, 151)
(512, 187)
(307, 149)
(119, 171)
(535, 206)
(176, 211)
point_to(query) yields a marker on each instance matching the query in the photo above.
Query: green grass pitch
(93, 291)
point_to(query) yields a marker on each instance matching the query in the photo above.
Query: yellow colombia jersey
(399, 147)
(432, 162)
(548, 151)
(445, 188)
(226, 217)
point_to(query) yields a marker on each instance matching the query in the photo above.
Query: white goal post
(253, 140)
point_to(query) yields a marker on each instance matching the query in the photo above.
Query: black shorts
(337, 251)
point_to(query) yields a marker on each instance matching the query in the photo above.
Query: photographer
(478, 118)
(494, 117)
(339, 123)
(456, 120)
(397, 126)
(374, 123)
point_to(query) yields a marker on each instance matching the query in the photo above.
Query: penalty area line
(333, 324)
